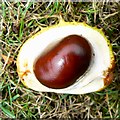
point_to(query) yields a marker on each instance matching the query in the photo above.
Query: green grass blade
(7, 112)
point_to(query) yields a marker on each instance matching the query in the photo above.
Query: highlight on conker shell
(65, 63)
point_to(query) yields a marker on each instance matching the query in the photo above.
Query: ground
(21, 20)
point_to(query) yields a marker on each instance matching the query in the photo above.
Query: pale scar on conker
(65, 63)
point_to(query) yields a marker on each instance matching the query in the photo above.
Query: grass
(19, 21)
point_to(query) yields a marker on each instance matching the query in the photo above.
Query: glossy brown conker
(65, 63)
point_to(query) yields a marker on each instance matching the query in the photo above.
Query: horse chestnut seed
(65, 63)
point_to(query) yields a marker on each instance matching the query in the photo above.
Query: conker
(61, 66)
